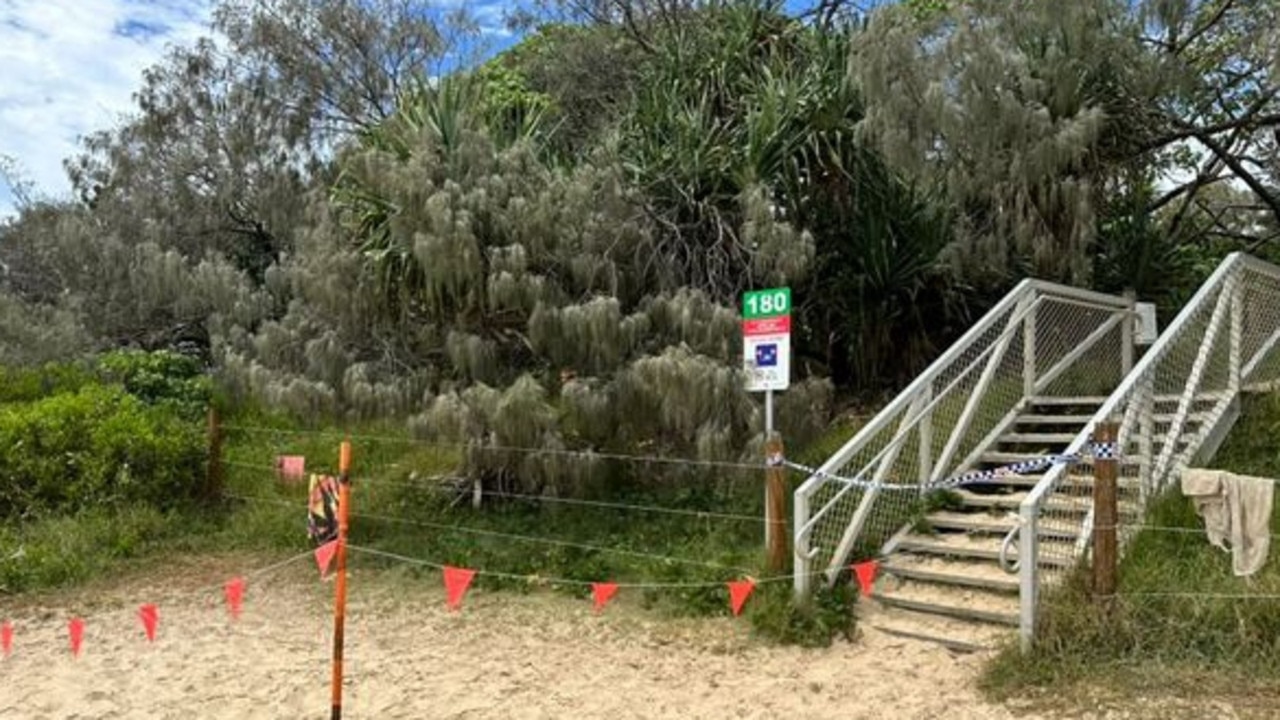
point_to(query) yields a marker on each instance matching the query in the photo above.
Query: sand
(504, 655)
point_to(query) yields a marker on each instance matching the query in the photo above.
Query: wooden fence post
(1105, 515)
(776, 504)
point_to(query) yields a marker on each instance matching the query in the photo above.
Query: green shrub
(26, 384)
(98, 446)
(776, 615)
(57, 551)
(159, 378)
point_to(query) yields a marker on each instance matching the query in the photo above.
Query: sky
(70, 67)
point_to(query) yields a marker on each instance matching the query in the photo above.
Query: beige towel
(1237, 514)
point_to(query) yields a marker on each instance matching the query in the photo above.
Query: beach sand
(504, 655)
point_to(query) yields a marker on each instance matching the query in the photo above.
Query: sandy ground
(502, 656)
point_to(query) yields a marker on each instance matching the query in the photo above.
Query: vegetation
(521, 266)
(1182, 619)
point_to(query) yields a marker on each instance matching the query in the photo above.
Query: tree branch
(1264, 194)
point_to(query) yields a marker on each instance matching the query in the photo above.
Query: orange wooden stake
(340, 587)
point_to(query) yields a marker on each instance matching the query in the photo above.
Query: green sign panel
(766, 303)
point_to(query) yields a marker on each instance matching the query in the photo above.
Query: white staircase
(1031, 379)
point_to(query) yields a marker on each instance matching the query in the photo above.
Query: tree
(229, 137)
(456, 275)
(1033, 116)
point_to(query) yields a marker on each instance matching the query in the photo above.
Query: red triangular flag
(234, 590)
(150, 617)
(739, 591)
(6, 637)
(456, 582)
(602, 593)
(866, 573)
(75, 629)
(324, 556)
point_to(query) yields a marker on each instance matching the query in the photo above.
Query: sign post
(766, 360)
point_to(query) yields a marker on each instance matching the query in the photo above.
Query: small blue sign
(767, 355)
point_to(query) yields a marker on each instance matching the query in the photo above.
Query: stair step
(951, 633)
(1075, 480)
(983, 548)
(1060, 438)
(978, 522)
(952, 644)
(1041, 419)
(1005, 457)
(1059, 503)
(947, 607)
(951, 572)
(1054, 401)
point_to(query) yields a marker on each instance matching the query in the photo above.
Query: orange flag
(324, 556)
(456, 582)
(75, 629)
(739, 591)
(234, 590)
(150, 617)
(866, 573)
(6, 637)
(602, 593)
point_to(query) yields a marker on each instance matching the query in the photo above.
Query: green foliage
(20, 384)
(159, 378)
(776, 615)
(95, 447)
(63, 550)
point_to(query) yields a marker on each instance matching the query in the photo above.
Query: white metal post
(1028, 573)
(1029, 353)
(1127, 334)
(803, 562)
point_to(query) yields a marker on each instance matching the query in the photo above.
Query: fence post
(776, 503)
(213, 472)
(340, 586)
(1105, 470)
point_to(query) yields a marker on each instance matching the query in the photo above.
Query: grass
(400, 507)
(1178, 626)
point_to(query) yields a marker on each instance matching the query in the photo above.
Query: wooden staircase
(941, 578)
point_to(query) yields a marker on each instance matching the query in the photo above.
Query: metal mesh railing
(1040, 340)
(1174, 409)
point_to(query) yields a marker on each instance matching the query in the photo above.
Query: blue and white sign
(767, 362)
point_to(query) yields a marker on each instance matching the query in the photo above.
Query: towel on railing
(1236, 511)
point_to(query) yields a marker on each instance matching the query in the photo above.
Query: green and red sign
(766, 339)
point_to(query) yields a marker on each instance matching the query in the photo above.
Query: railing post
(1127, 333)
(1105, 547)
(1029, 353)
(1237, 338)
(802, 563)
(1028, 572)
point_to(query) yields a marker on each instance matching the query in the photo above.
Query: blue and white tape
(1099, 451)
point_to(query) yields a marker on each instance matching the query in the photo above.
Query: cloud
(71, 67)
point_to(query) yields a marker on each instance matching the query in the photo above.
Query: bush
(776, 615)
(26, 384)
(98, 446)
(159, 378)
